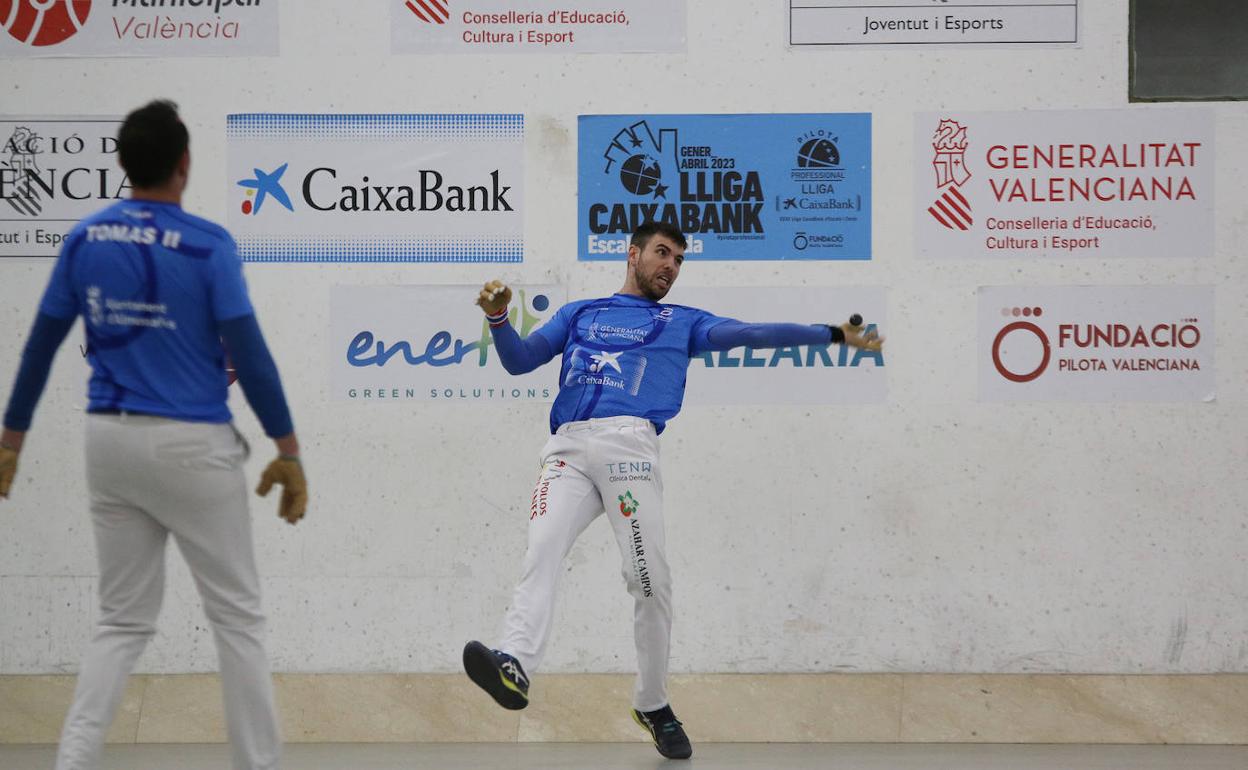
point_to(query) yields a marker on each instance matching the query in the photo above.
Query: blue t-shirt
(624, 355)
(151, 283)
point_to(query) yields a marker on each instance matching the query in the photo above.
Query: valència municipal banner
(53, 172)
(139, 28)
(1061, 184)
(376, 188)
(431, 343)
(802, 374)
(1096, 343)
(537, 26)
(969, 23)
(750, 187)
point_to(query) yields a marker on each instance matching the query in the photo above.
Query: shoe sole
(480, 665)
(642, 725)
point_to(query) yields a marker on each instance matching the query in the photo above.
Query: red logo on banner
(43, 22)
(1023, 326)
(951, 209)
(430, 11)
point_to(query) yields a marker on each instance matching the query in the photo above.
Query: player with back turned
(624, 361)
(159, 290)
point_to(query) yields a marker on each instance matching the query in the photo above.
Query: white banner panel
(53, 172)
(1062, 184)
(377, 188)
(139, 28)
(1093, 343)
(537, 26)
(431, 343)
(805, 374)
(974, 23)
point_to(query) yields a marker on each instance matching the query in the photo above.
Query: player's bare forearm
(12, 439)
(288, 445)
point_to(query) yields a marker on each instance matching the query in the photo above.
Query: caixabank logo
(43, 23)
(1096, 343)
(661, 179)
(326, 189)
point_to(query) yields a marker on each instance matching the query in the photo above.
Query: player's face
(657, 266)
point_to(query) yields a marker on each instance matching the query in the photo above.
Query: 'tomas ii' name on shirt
(134, 234)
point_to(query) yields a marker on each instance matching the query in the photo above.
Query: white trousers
(149, 477)
(608, 462)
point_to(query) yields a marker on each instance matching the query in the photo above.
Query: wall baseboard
(888, 708)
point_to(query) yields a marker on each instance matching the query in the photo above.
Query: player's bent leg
(563, 503)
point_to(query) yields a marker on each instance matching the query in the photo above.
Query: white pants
(608, 462)
(149, 477)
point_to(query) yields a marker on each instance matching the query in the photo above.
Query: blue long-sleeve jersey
(157, 289)
(627, 355)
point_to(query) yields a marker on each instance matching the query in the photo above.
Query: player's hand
(288, 472)
(855, 338)
(494, 297)
(8, 469)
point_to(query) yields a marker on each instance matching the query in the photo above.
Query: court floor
(626, 756)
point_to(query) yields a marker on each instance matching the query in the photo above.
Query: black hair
(647, 230)
(150, 143)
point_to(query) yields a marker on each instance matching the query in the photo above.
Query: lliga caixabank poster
(747, 187)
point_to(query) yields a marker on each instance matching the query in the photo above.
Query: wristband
(291, 458)
(498, 319)
(838, 334)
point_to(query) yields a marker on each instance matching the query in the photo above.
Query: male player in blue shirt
(622, 378)
(159, 290)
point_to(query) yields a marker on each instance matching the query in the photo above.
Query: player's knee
(647, 583)
(241, 617)
(122, 627)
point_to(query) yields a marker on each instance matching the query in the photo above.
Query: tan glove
(288, 472)
(8, 469)
(856, 339)
(494, 297)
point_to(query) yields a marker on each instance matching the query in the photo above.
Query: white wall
(933, 533)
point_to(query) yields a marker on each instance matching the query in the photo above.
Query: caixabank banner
(1064, 183)
(1096, 343)
(164, 28)
(431, 343)
(748, 187)
(376, 187)
(53, 172)
(797, 374)
(537, 26)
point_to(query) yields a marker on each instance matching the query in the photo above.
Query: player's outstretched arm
(518, 356)
(733, 334)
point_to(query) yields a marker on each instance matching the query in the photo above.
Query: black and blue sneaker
(497, 673)
(664, 728)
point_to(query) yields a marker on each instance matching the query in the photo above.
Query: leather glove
(855, 338)
(288, 472)
(494, 297)
(8, 469)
